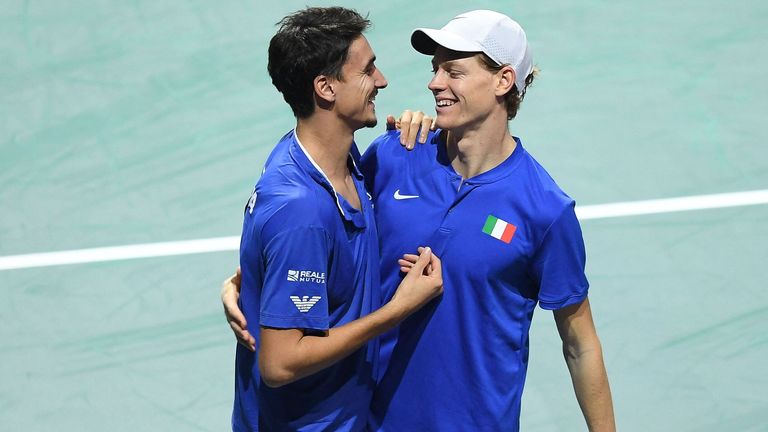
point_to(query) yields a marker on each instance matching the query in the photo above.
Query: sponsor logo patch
(304, 303)
(306, 276)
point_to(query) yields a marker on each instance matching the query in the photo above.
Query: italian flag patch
(499, 229)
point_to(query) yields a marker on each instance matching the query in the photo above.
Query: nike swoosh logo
(402, 197)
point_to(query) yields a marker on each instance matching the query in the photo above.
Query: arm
(584, 357)
(286, 355)
(230, 293)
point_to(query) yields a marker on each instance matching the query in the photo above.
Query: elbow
(276, 376)
(582, 349)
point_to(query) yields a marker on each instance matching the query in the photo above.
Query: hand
(230, 293)
(423, 280)
(409, 125)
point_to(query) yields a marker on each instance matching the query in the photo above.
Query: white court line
(219, 244)
(670, 205)
(115, 253)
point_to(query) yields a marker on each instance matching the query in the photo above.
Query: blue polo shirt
(509, 240)
(309, 261)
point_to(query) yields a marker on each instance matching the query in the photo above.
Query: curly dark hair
(515, 96)
(311, 42)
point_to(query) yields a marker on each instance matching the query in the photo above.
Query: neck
(473, 151)
(327, 142)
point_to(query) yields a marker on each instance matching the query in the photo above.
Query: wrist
(395, 310)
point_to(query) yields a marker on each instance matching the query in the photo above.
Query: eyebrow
(446, 64)
(370, 63)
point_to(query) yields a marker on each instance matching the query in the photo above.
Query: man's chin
(371, 123)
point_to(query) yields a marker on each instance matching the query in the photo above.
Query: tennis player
(309, 251)
(505, 231)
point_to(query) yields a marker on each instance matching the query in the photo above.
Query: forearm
(310, 354)
(590, 383)
(288, 355)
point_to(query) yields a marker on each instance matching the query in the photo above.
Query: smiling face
(465, 92)
(356, 90)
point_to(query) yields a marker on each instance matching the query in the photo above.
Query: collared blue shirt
(508, 239)
(310, 261)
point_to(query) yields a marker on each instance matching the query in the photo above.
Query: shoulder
(297, 202)
(287, 199)
(387, 150)
(389, 142)
(386, 140)
(546, 200)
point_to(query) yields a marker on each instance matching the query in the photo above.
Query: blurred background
(139, 122)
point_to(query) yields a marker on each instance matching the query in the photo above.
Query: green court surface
(139, 122)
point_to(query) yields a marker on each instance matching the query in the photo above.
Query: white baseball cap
(498, 36)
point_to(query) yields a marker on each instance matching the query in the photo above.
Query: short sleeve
(559, 263)
(294, 293)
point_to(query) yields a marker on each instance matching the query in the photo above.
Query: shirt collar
(303, 158)
(496, 173)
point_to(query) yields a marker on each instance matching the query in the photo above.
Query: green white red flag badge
(499, 229)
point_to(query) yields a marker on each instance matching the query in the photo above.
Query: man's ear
(506, 79)
(323, 86)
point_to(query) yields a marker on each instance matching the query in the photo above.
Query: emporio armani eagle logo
(304, 303)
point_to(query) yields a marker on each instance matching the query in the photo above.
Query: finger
(405, 125)
(404, 263)
(248, 341)
(426, 126)
(424, 259)
(238, 275)
(391, 122)
(250, 347)
(433, 126)
(410, 258)
(229, 293)
(233, 313)
(436, 265)
(413, 130)
(241, 334)
(237, 329)
(405, 269)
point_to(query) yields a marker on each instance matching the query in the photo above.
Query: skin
(475, 117)
(355, 92)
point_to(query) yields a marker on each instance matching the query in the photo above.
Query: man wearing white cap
(508, 237)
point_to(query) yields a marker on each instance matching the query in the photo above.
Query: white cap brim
(426, 41)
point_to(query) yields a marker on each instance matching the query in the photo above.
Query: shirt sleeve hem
(568, 301)
(282, 322)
